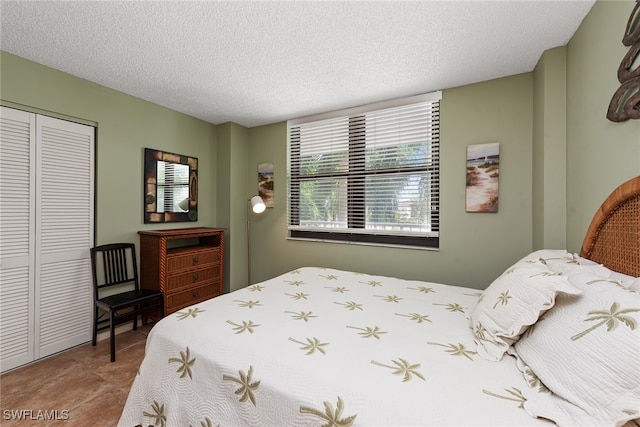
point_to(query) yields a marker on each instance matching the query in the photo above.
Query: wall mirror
(170, 187)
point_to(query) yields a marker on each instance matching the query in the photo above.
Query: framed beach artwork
(483, 171)
(265, 183)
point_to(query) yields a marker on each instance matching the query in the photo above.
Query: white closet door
(17, 249)
(64, 226)
(46, 231)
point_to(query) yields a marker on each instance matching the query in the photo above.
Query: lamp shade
(257, 204)
(184, 205)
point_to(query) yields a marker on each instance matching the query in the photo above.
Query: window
(368, 174)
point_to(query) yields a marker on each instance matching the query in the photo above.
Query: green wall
(600, 154)
(125, 126)
(560, 157)
(232, 200)
(474, 247)
(550, 150)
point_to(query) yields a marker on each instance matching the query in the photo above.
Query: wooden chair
(117, 290)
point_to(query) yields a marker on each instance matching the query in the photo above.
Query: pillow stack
(586, 351)
(575, 327)
(514, 301)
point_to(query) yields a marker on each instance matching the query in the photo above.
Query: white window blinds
(173, 187)
(369, 174)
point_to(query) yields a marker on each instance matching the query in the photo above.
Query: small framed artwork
(265, 183)
(483, 172)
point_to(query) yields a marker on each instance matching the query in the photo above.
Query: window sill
(347, 242)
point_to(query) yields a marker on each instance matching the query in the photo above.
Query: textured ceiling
(256, 63)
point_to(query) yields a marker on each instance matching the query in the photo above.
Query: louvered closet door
(64, 226)
(46, 231)
(17, 249)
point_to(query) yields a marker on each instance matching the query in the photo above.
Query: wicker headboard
(613, 238)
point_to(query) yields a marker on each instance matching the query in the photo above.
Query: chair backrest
(114, 265)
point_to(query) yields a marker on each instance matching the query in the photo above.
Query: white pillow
(635, 285)
(586, 351)
(584, 261)
(561, 261)
(620, 279)
(511, 303)
(547, 254)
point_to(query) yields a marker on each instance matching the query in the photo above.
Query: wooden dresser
(186, 264)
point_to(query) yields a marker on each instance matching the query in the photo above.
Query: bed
(554, 339)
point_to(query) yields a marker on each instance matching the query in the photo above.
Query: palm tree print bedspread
(324, 347)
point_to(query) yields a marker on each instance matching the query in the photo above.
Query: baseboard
(104, 335)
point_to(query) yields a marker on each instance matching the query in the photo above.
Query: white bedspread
(325, 347)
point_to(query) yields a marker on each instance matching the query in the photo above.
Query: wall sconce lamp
(257, 206)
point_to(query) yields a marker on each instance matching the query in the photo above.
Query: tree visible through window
(367, 175)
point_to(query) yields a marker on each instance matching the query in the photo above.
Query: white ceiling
(262, 62)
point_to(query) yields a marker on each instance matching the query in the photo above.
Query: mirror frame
(151, 215)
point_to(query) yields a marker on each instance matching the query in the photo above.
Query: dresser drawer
(187, 260)
(192, 296)
(193, 278)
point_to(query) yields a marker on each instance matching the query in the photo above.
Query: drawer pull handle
(195, 259)
(196, 294)
(195, 277)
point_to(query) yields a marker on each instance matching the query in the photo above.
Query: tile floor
(81, 381)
